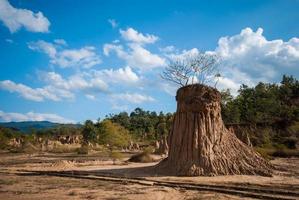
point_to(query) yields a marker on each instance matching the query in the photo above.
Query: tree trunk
(201, 145)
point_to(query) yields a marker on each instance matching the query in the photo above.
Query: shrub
(290, 142)
(278, 151)
(265, 152)
(115, 155)
(83, 150)
(149, 150)
(143, 157)
(286, 153)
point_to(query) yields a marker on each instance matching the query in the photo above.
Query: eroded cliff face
(199, 143)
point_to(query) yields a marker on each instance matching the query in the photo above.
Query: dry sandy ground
(66, 188)
(15, 184)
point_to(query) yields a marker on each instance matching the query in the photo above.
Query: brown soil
(17, 183)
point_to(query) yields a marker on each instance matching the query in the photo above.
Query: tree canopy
(264, 103)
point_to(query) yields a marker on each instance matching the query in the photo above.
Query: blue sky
(68, 61)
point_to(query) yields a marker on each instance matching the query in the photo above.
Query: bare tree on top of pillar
(199, 68)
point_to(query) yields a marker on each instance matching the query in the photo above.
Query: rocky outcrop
(133, 146)
(200, 144)
(69, 139)
(161, 146)
(16, 142)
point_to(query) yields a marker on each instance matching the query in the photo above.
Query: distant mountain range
(26, 126)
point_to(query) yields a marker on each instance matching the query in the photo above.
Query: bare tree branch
(195, 68)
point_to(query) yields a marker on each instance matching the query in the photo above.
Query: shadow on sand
(125, 172)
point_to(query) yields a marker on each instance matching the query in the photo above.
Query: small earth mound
(143, 157)
(63, 164)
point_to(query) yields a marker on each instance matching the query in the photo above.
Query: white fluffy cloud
(58, 88)
(250, 43)
(35, 94)
(132, 98)
(136, 56)
(85, 57)
(45, 47)
(169, 88)
(258, 57)
(132, 35)
(168, 49)
(60, 42)
(90, 97)
(122, 75)
(228, 83)
(15, 18)
(182, 55)
(87, 83)
(249, 57)
(32, 116)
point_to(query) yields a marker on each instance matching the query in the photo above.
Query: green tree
(122, 118)
(88, 132)
(113, 134)
(229, 108)
(246, 103)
